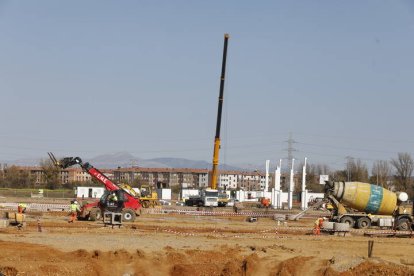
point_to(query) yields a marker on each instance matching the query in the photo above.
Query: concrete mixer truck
(363, 205)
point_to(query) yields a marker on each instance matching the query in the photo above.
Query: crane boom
(94, 172)
(214, 173)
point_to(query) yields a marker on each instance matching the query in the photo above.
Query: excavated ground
(194, 245)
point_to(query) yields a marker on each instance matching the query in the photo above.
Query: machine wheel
(363, 223)
(145, 204)
(349, 220)
(95, 214)
(128, 215)
(403, 224)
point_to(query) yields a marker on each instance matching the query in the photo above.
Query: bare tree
(356, 170)
(15, 177)
(313, 171)
(404, 166)
(51, 174)
(381, 170)
(318, 169)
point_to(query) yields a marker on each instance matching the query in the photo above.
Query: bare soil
(194, 245)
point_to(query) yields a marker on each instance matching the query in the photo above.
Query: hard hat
(75, 202)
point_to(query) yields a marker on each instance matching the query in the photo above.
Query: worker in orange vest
(317, 226)
(265, 202)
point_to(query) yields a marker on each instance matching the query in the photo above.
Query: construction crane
(214, 172)
(210, 197)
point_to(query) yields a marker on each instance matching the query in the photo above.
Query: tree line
(395, 175)
(14, 177)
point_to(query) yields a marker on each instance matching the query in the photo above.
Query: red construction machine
(126, 201)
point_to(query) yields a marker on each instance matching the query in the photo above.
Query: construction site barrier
(65, 207)
(43, 207)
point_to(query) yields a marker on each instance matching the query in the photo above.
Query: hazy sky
(87, 78)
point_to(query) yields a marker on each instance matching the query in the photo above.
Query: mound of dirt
(191, 246)
(374, 269)
(41, 260)
(8, 271)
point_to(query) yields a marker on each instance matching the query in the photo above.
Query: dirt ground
(194, 245)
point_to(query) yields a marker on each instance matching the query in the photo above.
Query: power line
(290, 149)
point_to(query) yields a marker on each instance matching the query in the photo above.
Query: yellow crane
(210, 197)
(214, 173)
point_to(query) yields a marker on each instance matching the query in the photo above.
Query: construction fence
(36, 193)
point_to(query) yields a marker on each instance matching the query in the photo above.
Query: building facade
(166, 177)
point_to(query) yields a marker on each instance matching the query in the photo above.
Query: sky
(86, 78)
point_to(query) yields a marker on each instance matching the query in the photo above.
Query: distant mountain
(255, 167)
(125, 160)
(24, 162)
(120, 159)
(186, 163)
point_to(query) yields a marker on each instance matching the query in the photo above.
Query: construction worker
(317, 226)
(21, 208)
(112, 199)
(265, 203)
(74, 209)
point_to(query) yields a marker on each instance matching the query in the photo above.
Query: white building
(203, 180)
(89, 192)
(262, 182)
(227, 181)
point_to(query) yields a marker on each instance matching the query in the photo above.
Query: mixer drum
(365, 197)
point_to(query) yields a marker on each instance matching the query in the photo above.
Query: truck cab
(210, 197)
(205, 198)
(223, 199)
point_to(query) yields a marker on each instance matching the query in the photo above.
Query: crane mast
(214, 173)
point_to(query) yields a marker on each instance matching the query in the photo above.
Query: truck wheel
(403, 224)
(349, 220)
(145, 204)
(128, 215)
(200, 204)
(95, 214)
(363, 223)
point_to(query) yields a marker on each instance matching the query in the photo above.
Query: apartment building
(38, 175)
(167, 177)
(228, 180)
(185, 178)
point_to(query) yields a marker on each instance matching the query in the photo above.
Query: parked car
(179, 203)
(164, 202)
